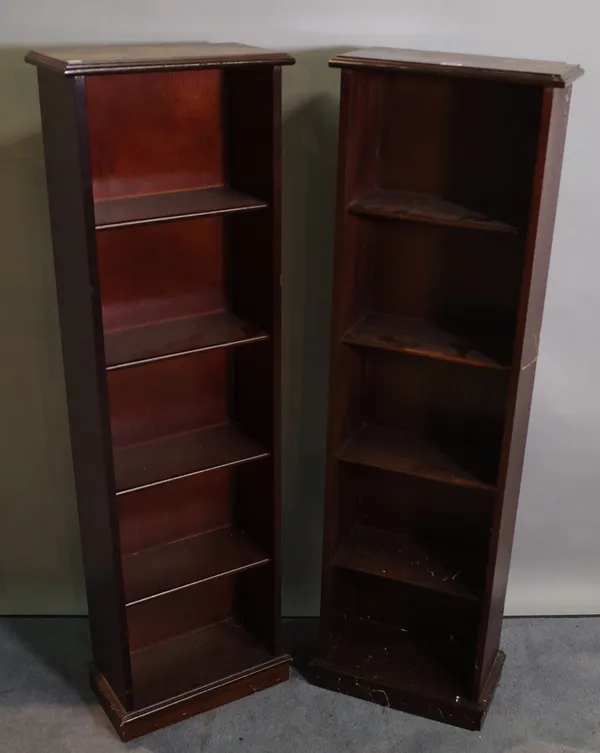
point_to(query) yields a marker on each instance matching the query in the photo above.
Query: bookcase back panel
(460, 408)
(456, 517)
(151, 273)
(166, 397)
(433, 396)
(196, 636)
(167, 512)
(155, 132)
(437, 629)
(466, 141)
(180, 612)
(449, 276)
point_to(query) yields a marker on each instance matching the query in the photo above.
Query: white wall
(556, 563)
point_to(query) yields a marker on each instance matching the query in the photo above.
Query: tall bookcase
(163, 169)
(449, 170)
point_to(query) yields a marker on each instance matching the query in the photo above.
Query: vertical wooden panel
(551, 143)
(71, 213)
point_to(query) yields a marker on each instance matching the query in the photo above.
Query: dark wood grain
(177, 612)
(423, 698)
(446, 196)
(160, 207)
(180, 455)
(415, 336)
(155, 273)
(167, 397)
(405, 452)
(195, 659)
(404, 558)
(123, 58)
(168, 512)
(465, 282)
(153, 572)
(402, 205)
(130, 115)
(394, 657)
(176, 337)
(518, 70)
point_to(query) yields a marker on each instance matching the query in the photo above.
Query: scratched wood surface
(543, 72)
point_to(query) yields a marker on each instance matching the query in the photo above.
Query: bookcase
(448, 180)
(163, 170)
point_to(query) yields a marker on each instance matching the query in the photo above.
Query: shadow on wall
(310, 122)
(39, 541)
(39, 549)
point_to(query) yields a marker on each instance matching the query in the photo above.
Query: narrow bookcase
(449, 168)
(163, 169)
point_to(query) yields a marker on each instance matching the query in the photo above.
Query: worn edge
(140, 66)
(573, 72)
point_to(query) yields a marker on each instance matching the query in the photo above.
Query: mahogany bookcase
(449, 170)
(163, 170)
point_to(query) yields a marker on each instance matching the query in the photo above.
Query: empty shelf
(404, 205)
(403, 558)
(173, 205)
(399, 659)
(160, 340)
(213, 654)
(405, 452)
(162, 569)
(162, 460)
(386, 332)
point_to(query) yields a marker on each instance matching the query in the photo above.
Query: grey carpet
(548, 702)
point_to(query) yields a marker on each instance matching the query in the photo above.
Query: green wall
(40, 560)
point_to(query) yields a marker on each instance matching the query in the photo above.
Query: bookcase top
(542, 72)
(76, 61)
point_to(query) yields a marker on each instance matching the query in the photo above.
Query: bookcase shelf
(123, 211)
(405, 452)
(156, 571)
(406, 559)
(163, 175)
(177, 337)
(148, 463)
(405, 205)
(447, 189)
(422, 338)
(200, 658)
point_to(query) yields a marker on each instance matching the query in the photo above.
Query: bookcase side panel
(252, 106)
(62, 102)
(552, 132)
(342, 293)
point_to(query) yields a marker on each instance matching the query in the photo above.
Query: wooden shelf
(174, 205)
(403, 558)
(150, 463)
(396, 657)
(212, 654)
(177, 337)
(179, 564)
(404, 205)
(405, 452)
(415, 336)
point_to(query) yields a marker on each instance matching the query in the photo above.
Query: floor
(548, 702)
